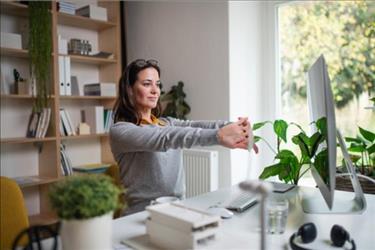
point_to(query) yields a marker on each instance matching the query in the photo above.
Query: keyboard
(242, 202)
(245, 200)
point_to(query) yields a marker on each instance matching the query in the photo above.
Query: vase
(94, 233)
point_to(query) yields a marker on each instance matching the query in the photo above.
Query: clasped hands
(237, 135)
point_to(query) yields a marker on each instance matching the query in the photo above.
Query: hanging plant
(40, 48)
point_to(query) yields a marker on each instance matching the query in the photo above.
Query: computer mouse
(222, 212)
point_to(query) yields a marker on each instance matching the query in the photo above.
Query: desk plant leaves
(289, 165)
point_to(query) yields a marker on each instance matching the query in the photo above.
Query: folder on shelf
(61, 75)
(95, 119)
(68, 88)
(64, 75)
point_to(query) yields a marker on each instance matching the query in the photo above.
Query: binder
(61, 75)
(68, 88)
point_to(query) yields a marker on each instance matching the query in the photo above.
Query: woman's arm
(196, 124)
(128, 137)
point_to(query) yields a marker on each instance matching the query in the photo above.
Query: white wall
(190, 41)
(224, 52)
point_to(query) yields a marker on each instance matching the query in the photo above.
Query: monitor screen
(322, 117)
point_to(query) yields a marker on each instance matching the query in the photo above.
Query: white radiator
(201, 171)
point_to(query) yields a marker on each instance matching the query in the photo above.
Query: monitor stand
(342, 203)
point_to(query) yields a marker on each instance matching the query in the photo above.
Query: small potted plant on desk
(85, 204)
(289, 165)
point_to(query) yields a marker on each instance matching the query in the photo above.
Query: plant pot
(94, 233)
(344, 183)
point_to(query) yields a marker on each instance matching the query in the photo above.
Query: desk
(242, 230)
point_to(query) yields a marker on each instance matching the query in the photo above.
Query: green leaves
(260, 124)
(175, 99)
(83, 197)
(364, 145)
(280, 127)
(289, 164)
(367, 134)
(40, 49)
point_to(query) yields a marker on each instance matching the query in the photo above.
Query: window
(344, 31)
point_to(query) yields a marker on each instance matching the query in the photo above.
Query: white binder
(68, 86)
(61, 75)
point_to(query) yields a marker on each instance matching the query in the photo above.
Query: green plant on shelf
(40, 49)
(84, 196)
(289, 165)
(176, 105)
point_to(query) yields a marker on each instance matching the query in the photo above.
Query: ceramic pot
(93, 233)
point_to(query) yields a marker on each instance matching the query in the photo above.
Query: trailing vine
(40, 48)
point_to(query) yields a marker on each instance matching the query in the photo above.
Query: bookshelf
(20, 156)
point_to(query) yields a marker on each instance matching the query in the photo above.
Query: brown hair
(124, 109)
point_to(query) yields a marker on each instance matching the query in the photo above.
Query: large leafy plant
(84, 197)
(362, 151)
(176, 105)
(289, 165)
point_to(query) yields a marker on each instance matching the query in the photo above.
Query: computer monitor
(321, 106)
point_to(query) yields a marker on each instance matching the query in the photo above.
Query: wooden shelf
(32, 181)
(14, 96)
(21, 140)
(43, 219)
(72, 97)
(20, 53)
(83, 22)
(90, 136)
(13, 8)
(91, 60)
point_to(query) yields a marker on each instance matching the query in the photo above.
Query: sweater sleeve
(196, 124)
(128, 137)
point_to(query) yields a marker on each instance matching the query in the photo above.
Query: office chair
(114, 172)
(13, 213)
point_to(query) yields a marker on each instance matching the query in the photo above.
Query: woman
(148, 148)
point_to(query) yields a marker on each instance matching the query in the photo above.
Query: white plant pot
(88, 234)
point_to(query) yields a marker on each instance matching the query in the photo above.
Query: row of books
(38, 123)
(97, 118)
(66, 125)
(66, 164)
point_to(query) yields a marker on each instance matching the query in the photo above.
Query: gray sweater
(150, 157)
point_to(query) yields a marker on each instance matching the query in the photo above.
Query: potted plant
(362, 154)
(174, 102)
(289, 165)
(85, 204)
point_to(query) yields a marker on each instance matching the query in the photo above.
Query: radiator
(201, 171)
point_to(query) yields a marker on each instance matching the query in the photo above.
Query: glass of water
(277, 214)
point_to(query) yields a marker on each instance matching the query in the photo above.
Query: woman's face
(146, 90)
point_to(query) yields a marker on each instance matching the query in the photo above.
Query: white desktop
(242, 231)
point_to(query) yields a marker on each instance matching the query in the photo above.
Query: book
(94, 117)
(92, 168)
(32, 124)
(102, 54)
(99, 89)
